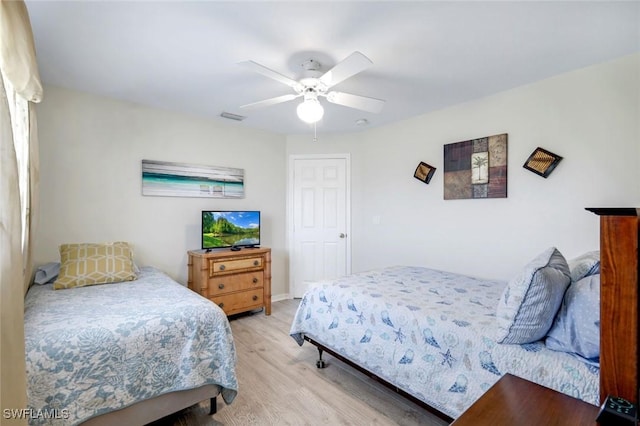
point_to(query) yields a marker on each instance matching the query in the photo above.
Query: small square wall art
(542, 162)
(476, 168)
(424, 172)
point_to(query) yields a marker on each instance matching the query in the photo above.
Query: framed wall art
(542, 162)
(476, 168)
(424, 172)
(168, 179)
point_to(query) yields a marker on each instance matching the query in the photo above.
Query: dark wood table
(515, 401)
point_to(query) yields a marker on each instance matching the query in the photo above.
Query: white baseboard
(280, 297)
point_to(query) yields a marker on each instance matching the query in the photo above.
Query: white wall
(590, 117)
(91, 150)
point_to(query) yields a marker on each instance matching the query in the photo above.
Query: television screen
(230, 229)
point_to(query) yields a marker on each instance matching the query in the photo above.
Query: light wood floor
(279, 384)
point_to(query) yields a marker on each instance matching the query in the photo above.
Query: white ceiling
(426, 55)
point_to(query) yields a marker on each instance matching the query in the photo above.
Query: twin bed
(126, 352)
(433, 335)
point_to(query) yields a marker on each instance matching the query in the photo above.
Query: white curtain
(20, 87)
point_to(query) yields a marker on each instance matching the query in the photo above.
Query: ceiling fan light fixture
(314, 84)
(310, 111)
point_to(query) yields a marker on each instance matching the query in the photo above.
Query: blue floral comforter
(431, 334)
(92, 350)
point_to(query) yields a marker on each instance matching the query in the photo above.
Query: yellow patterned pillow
(89, 264)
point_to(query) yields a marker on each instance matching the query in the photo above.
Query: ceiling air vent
(231, 116)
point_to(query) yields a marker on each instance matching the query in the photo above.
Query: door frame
(290, 194)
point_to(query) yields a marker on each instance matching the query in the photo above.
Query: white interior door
(320, 247)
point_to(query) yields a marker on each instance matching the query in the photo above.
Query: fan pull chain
(315, 134)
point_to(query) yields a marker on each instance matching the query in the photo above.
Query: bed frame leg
(320, 363)
(214, 406)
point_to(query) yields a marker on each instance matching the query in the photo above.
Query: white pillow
(530, 301)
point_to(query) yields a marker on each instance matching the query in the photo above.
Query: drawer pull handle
(256, 263)
(255, 297)
(220, 286)
(221, 304)
(255, 280)
(222, 267)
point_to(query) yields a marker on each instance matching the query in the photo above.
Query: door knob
(342, 235)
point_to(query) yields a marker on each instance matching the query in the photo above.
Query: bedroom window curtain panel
(20, 88)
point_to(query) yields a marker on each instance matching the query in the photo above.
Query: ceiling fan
(314, 84)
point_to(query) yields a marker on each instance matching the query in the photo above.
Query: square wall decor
(424, 172)
(542, 162)
(476, 168)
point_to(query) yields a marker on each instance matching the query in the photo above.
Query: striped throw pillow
(531, 300)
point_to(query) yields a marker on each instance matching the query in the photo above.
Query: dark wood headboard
(619, 272)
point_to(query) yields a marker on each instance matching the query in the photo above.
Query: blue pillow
(530, 301)
(584, 265)
(576, 329)
(47, 273)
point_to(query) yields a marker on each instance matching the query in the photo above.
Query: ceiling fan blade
(269, 102)
(261, 69)
(355, 101)
(351, 65)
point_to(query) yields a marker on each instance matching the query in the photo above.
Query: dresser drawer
(239, 302)
(223, 284)
(226, 266)
(239, 280)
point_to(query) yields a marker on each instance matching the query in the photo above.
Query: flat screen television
(234, 229)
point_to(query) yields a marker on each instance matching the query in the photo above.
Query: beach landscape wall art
(476, 168)
(169, 179)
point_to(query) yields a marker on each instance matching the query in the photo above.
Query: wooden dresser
(237, 281)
